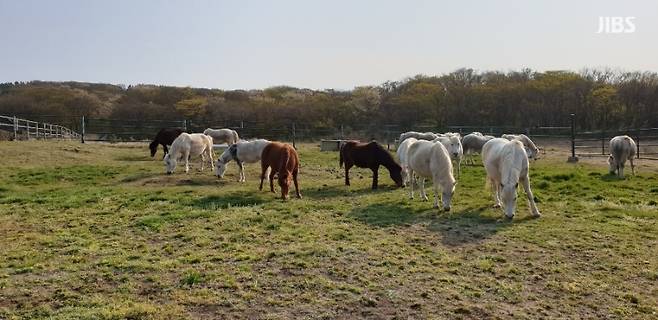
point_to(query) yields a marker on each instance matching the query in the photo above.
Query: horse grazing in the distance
(164, 137)
(369, 155)
(283, 160)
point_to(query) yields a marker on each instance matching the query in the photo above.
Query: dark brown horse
(369, 155)
(284, 161)
(165, 137)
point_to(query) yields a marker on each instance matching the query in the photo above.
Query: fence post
(82, 127)
(637, 138)
(602, 142)
(342, 133)
(294, 135)
(573, 157)
(185, 125)
(15, 129)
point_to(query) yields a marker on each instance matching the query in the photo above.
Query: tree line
(602, 99)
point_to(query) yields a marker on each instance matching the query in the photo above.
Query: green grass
(97, 231)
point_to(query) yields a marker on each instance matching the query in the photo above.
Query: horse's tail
(236, 137)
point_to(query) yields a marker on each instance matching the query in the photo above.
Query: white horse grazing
(241, 152)
(227, 136)
(454, 146)
(404, 159)
(473, 143)
(429, 159)
(429, 136)
(621, 148)
(530, 147)
(187, 145)
(506, 163)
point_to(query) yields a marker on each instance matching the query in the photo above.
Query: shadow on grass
(456, 228)
(341, 190)
(135, 157)
(234, 199)
(610, 177)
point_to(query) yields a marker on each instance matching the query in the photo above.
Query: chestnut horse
(165, 137)
(369, 155)
(282, 159)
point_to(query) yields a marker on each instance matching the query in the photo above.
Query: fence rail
(28, 129)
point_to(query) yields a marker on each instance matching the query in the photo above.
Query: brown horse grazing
(165, 137)
(283, 159)
(369, 155)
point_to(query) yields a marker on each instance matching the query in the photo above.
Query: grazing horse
(369, 155)
(241, 152)
(530, 147)
(473, 143)
(452, 143)
(187, 145)
(621, 149)
(506, 163)
(282, 159)
(431, 159)
(227, 136)
(165, 137)
(404, 159)
(418, 135)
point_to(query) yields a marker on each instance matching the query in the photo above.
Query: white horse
(429, 136)
(530, 147)
(429, 159)
(506, 163)
(403, 148)
(241, 152)
(454, 146)
(187, 145)
(227, 136)
(473, 143)
(621, 149)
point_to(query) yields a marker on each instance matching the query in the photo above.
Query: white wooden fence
(28, 129)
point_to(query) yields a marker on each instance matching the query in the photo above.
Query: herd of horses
(420, 155)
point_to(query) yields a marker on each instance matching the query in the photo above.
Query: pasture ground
(98, 231)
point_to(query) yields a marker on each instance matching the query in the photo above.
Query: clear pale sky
(312, 44)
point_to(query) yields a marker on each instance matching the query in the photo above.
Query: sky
(313, 44)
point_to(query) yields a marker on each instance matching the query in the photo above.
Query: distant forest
(602, 99)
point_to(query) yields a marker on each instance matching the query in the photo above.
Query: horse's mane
(512, 161)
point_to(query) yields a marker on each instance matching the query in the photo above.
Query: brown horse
(369, 155)
(283, 159)
(165, 137)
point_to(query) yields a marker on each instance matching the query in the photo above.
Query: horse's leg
(531, 199)
(241, 168)
(272, 172)
(263, 170)
(375, 177)
(210, 159)
(621, 170)
(422, 189)
(186, 154)
(203, 160)
(347, 173)
(294, 179)
(435, 185)
(495, 190)
(632, 165)
(459, 167)
(412, 181)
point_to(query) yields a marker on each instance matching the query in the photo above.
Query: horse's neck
(512, 165)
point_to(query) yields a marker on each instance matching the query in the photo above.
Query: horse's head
(396, 174)
(446, 197)
(613, 164)
(220, 168)
(170, 163)
(508, 196)
(154, 148)
(455, 147)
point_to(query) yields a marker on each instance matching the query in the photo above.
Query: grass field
(98, 231)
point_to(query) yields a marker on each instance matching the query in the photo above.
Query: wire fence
(583, 143)
(23, 129)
